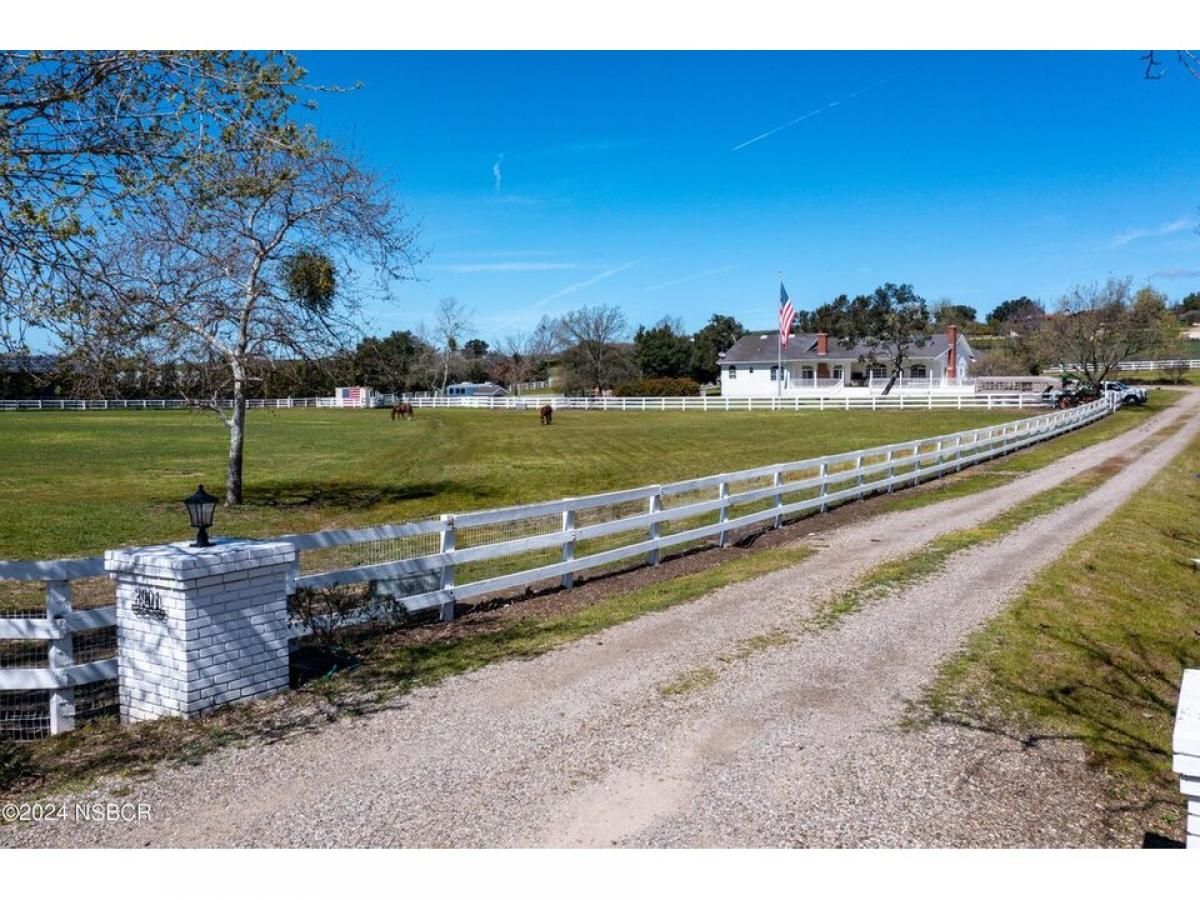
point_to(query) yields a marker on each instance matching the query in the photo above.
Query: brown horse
(402, 409)
(546, 414)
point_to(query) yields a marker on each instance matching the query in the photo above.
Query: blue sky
(544, 181)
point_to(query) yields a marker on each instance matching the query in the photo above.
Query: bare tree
(89, 137)
(595, 358)
(1156, 69)
(250, 257)
(452, 322)
(1095, 328)
(517, 360)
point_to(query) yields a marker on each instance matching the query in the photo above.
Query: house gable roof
(764, 348)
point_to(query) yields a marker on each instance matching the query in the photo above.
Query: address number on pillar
(147, 603)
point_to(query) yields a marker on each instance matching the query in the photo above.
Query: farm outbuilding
(473, 389)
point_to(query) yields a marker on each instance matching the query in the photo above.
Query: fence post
(446, 545)
(858, 464)
(958, 453)
(777, 483)
(824, 475)
(568, 550)
(891, 469)
(917, 463)
(723, 512)
(655, 505)
(61, 655)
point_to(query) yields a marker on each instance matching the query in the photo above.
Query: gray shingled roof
(764, 348)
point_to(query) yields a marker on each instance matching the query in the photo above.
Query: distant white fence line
(1145, 365)
(836, 400)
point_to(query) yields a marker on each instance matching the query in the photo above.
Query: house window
(918, 371)
(839, 373)
(878, 371)
(774, 373)
(806, 372)
(733, 373)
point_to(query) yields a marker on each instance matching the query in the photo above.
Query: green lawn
(79, 483)
(1095, 648)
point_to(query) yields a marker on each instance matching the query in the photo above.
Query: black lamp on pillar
(200, 507)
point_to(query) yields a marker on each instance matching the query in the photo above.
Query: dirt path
(760, 742)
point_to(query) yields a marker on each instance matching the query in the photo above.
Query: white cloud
(814, 112)
(1176, 273)
(695, 276)
(529, 266)
(497, 174)
(1161, 231)
(587, 283)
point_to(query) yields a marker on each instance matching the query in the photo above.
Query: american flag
(787, 315)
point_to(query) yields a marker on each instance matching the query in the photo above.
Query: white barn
(820, 363)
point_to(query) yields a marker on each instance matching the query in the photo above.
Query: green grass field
(1095, 647)
(79, 483)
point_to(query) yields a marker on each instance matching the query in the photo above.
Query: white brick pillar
(1185, 744)
(199, 627)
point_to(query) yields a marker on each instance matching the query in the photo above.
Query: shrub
(658, 387)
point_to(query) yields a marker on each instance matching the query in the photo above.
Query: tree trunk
(237, 438)
(891, 383)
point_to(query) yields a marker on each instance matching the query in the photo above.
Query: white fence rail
(1145, 365)
(53, 637)
(656, 518)
(834, 400)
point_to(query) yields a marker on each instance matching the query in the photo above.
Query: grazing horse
(403, 409)
(546, 414)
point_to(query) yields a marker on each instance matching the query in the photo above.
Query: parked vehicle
(1126, 394)
(1073, 393)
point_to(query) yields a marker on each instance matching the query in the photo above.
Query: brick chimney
(822, 343)
(952, 354)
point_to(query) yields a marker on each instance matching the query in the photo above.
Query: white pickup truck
(1125, 394)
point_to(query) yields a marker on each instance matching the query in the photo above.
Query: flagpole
(779, 366)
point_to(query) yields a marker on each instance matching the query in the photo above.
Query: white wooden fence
(517, 540)
(1146, 365)
(780, 490)
(832, 401)
(53, 636)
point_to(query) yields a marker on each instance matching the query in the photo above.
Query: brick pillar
(200, 627)
(1185, 744)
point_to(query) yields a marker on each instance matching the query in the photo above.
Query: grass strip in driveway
(931, 559)
(988, 475)
(1094, 650)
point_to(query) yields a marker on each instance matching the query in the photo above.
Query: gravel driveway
(762, 742)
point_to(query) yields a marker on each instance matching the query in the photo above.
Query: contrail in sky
(496, 172)
(811, 113)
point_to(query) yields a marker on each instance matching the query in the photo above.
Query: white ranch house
(820, 363)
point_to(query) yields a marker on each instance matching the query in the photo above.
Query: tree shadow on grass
(1117, 697)
(354, 494)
